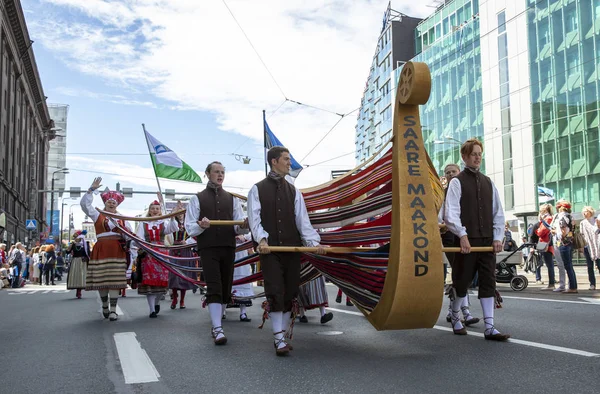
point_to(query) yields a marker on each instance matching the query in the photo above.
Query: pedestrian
(556, 233)
(277, 216)
(564, 233)
(107, 268)
(588, 229)
(16, 260)
(177, 284)
(474, 214)
(154, 277)
(2, 254)
(60, 266)
(49, 265)
(215, 244)
(79, 250)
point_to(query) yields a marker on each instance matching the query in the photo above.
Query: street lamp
(70, 217)
(62, 215)
(61, 171)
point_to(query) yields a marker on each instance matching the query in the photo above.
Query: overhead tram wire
(328, 132)
(255, 51)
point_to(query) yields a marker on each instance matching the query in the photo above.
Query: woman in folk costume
(80, 255)
(177, 284)
(107, 268)
(313, 295)
(242, 294)
(36, 265)
(155, 277)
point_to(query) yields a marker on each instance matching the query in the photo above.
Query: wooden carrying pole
(343, 249)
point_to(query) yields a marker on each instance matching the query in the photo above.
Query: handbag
(579, 241)
(542, 246)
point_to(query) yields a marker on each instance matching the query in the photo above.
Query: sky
(187, 71)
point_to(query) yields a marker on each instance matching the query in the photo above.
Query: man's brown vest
(216, 204)
(476, 204)
(277, 212)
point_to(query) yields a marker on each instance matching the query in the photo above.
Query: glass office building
(448, 42)
(564, 53)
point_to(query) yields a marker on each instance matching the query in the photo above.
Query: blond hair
(589, 209)
(546, 208)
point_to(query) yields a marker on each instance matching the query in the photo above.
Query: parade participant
(107, 267)
(277, 216)
(216, 244)
(450, 240)
(591, 252)
(79, 250)
(154, 278)
(474, 214)
(311, 295)
(338, 298)
(177, 284)
(242, 294)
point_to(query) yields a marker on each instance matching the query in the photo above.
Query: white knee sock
(322, 310)
(151, 301)
(104, 297)
(114, 298)
(242, 310)
(487, 304)
(465, 308)
(216, 311)
(455, 319)
(287, 321)
(277, 324)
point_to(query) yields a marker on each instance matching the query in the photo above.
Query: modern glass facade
(564, 60)
(448, 42)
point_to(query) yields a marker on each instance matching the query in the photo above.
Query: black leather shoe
(338, 299)
(326, 317)
(497, 337)
(349, 303)
(303, 319)
(245, 318)
(153, 315)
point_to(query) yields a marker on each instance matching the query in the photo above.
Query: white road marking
(135, 363)
(550, 300)
(345, 311)
(532, 344)
(591, 300)
(511, 340)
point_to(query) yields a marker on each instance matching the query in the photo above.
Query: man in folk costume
(277, 216)
(215, 244)
(449, 240)
(107, 267)
(474, 214)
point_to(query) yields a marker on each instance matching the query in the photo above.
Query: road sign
(30, 224)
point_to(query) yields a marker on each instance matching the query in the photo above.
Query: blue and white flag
(545, 194)
(271, 141)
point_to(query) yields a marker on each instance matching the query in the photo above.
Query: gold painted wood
(167, 216)
(349, 249)
(412, 293)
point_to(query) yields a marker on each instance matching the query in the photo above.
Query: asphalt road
(54, 343)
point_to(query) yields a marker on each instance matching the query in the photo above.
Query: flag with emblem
(167, 164)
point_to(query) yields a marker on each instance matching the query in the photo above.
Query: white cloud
(110, 98)
(193, 55)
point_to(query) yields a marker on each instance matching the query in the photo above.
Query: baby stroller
(506, 268)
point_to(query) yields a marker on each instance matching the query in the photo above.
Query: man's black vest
(216, 204)
(277, 212)
(476, 204)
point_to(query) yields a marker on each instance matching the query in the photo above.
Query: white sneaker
(539, 282)
(592, 287)
(559, 290)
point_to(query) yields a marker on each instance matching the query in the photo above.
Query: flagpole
(265, 141)
(154, 169)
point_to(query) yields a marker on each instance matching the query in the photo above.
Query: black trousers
(217, 266)
(281, 272)
(466, 265)
(49, 273)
